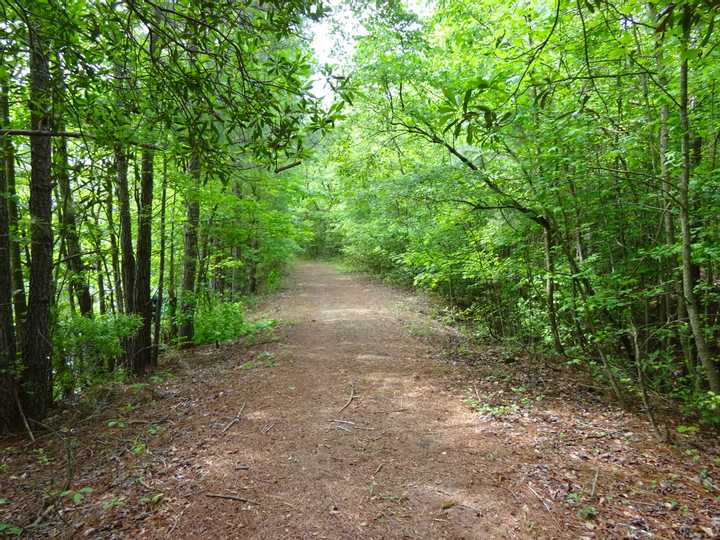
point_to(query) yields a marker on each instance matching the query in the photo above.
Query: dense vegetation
(144, 194)
(550, 167)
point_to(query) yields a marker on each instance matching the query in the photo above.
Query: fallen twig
(23, 417)
(594, 482)
(230, 497)
(379, 467)
(343, 422)
(352, 396)
(235, 420)
(161, 421)
(539, 497)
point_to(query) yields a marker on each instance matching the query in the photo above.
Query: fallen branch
(235, 420)
(230, 497)
(541, 499)
(23, 417)
(343, 422)
(349, 401)
(594, 482)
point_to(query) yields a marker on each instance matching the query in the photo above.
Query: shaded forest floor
(438, 441)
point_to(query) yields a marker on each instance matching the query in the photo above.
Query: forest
(548, 170)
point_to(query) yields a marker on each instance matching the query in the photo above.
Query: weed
(152, 499)
(588, 512)
(139, 447)
(114, 502)
(77, 496)
(10, 529)
(42, 457)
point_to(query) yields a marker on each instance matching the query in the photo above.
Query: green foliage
(10, 529)
(86, 349)
(77, 496)
(220, 322)
(225, 321)
(503, 159)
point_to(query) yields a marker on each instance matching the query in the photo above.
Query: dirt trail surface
(361, 417)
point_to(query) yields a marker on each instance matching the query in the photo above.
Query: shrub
(86, 349)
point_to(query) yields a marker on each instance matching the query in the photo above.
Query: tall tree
(37, 347)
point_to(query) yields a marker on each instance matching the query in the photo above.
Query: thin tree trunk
(117, 274)
(550, 290)
(126, 247)
(18, 280)
(9, 412)
(101, 286)
(37, 349)
(161, 269)
(172, 296)
(691, 305)
(69, 229)
(188, 300)
(142, 352)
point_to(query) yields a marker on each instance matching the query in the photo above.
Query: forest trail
(404, 459)
(262, 440)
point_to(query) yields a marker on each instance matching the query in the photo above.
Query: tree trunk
(691, 305)
(69, 229)
(187, 304)
(126, 247)
(102, 306)
(172, 296)
(18, 280)
(117, 275)
(161, 269)
(550, 290)
(142, 352)
(37, 349)
(9, 412)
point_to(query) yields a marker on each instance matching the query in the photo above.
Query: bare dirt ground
(360, 417)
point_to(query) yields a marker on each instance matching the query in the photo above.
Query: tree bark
(691, 304)
(188, 301)
(172, 296)
(126, 247)
(550, 290)
(117, 274)
(161, 269)
(18, 280)
(69, 229)
(37, 349)
(9, 412)
(142, 352)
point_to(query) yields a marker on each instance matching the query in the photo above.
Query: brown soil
(406, 457)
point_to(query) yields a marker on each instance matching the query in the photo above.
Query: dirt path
(407, 457)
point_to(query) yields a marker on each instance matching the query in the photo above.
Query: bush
(220, 322)
(86, 349)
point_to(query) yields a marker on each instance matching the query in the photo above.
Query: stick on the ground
(594, 482)
(539, 497)
(234, 420)
(230, 497)
(343, 422)
(349, 401)
(24, 418)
